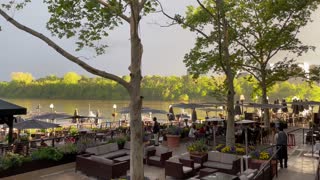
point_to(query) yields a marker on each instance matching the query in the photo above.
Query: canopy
(147, 110)
(215, 119)
(34, 124)
(264, 106)
(245, 121)
(190, 105)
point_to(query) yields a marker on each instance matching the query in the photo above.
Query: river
(105, 107)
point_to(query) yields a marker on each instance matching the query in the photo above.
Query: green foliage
(198, 146)
(71, 78)
(47, 153)
(120, 141)
(12, 160)
(20, 77)
(84, 142)
(73, 131)
(173, 130)
(69, 148)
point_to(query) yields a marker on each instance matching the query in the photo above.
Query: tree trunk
(266, 115)
(230, 138)
(136, 144)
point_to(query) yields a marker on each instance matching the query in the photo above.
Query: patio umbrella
(34, 124)
(207, 110)
(17, 119)
(75, 118)
(194, 115)
(190, 105)
(214, 129)
(145, 110)
(246, 122)
(51, 116)
(237, 109)
(171, 116)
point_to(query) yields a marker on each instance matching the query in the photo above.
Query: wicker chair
(178, 170)
(158, 156)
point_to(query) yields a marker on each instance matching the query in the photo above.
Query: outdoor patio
(299, 166)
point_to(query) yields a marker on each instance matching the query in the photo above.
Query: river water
(105, 107)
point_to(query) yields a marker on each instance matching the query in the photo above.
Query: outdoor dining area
(190, 147)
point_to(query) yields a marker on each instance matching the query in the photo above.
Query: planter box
(256, 163)
(173, 140)
(36, 165)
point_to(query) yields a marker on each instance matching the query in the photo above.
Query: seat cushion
(148, 148)
(197, 166)
(93, 150)
(126, 145)
(217, 165)
(154, 158)
(186, 169)
(126, 151)
(214, 156)
(101, 160)
(161, 150)
(228, 158)
(114, 154)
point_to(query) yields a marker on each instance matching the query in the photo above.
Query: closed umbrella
(171, 116)
(285, 106)
(34, 124)
(194, 115)
(237, 109)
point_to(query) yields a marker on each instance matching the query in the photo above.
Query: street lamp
(114, 112)
(51, 107)
(241, 100)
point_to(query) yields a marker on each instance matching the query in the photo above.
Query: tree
(214, 49)
(21, 77)
(90, 21)
(71, 78)
(263, 29)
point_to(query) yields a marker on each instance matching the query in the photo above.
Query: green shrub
(173, 130)
(198, 146)
(69, 148)
(47, 153)
(83, 143)
(120, 141)
(12, 160)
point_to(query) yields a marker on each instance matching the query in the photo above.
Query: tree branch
(124, 17)
(64, 53)
(141, 5)
(181, 22)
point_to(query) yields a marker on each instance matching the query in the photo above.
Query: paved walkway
(300, 167)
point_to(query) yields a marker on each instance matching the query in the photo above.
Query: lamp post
(51, 107)
(114, 113)
(241, 100)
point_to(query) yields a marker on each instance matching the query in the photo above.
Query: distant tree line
(166, 88)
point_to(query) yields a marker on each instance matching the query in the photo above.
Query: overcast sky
(164, 48)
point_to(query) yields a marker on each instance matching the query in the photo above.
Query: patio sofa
(100, 167)
(109, 151)
(227, 163)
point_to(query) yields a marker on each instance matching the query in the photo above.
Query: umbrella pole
(214, 138)
(246, 139)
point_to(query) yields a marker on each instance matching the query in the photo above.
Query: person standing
(156, 130)
(281, 140)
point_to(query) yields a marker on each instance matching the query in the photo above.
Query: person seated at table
(43, 144)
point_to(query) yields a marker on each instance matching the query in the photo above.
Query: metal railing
(265, 171)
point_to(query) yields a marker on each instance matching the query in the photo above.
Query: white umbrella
(246, 136)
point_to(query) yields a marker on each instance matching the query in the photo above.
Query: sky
(164, 47)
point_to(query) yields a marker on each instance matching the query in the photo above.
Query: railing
(318, 171)
(265, 173)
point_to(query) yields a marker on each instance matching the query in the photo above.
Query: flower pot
(173, 140)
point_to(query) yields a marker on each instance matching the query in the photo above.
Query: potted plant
(198, 148)
(260, 157)
(173, 136)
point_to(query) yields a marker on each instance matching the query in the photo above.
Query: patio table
(220, 176)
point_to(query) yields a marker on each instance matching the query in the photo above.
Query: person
(43, 144)
(281, 142)
(192, 132)
(156, 129)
